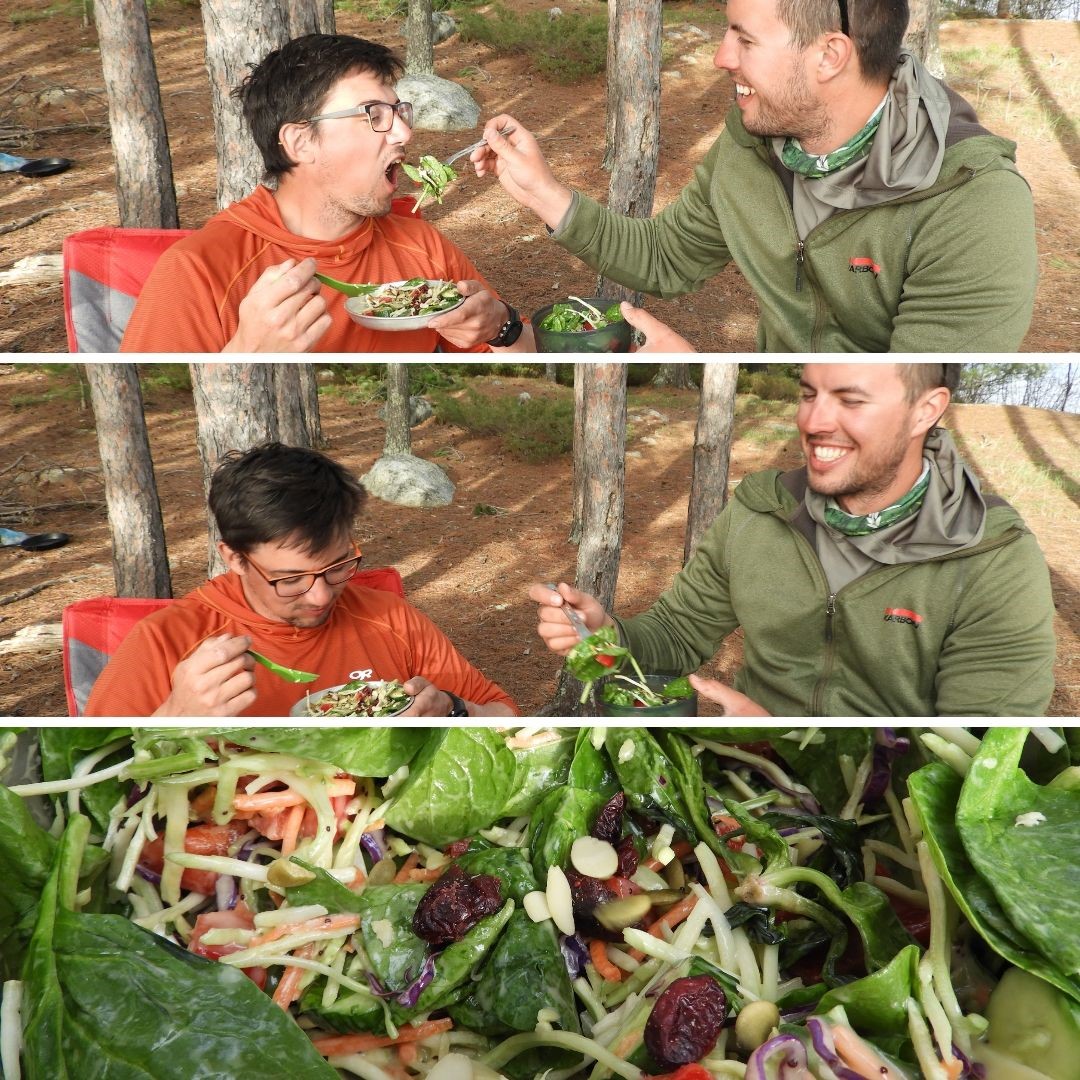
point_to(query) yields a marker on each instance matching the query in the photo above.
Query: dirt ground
(469, 573)
(1023, 79)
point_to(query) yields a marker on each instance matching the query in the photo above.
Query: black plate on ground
(45, 541)
(45, 166)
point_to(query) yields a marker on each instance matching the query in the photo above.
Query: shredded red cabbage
(823, 1046)
(784, 1053)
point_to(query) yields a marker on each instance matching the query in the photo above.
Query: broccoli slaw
(857, 900)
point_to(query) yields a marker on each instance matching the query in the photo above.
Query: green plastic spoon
(346, 287)
(287, 673)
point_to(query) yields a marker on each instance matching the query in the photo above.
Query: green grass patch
(768, 432)
(536, 430)
(768, 385)
(565, 50)
(165, 377)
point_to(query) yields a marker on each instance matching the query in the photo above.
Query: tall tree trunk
(678, 376)
(1004, 9)
(239, 33)
(712, 450)
(922, 34)
(419, 39)
(611, 66)
(636, 103)
(296, 398)
(235, 409)
(577, 512)
(551, 372)
(602, 464)
(140, 559)
(145, 193)
(398, 436)
(310, 17)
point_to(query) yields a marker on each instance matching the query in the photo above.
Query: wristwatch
(457, 706)
(508, 333)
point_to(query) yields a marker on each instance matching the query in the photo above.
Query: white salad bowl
(357, 307)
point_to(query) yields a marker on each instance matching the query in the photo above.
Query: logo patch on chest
(863, 266)
(899, 614)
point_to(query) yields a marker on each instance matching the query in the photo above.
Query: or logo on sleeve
(863, 266)
(899, 614)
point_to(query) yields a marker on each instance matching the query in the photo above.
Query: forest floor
(1022, 76)
(467, 570)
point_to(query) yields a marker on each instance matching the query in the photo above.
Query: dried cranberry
(587, 894)
(628, 857)
(686, 1021)
(608, 823)
(454, 905)
(457, 847)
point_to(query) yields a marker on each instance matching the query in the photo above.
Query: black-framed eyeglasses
(298, 584)
(380, 114)
(844, 25)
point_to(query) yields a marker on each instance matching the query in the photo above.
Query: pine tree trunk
(398, 435)
(603, 469)
(551, 372)
(140, 559)
(675, 375)
(238, 33)
(419, 39)
(922, 35)
(1004, 9)
(297, 410)
(145, 192)
(611, 66)
(577, 513)
(310, 17)
(634, 82)
(235, 409)
(712, 450)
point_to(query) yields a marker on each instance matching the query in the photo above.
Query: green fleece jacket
(967, 634)
(951, 268)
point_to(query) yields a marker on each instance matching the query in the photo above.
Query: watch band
(457, 706)
(510, 330)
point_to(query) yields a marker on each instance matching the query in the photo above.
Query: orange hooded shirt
(367, 629)
(191, 300)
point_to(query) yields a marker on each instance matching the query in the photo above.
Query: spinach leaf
(61, 749)
(538, 769)
(399, 960)
(598, 655)
(373, 751)
(876, 1004)
(841, 836)
(815, 764)
(458, 783)
(510, 865)
(108, 999)
(325, 889)
(935, 791)
(648, 778)
(769, 842)
(882, 933)
(591, 768)
(1031, 868)
(562, 816)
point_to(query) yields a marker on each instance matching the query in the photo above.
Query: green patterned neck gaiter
(862, 524)
(815, 166)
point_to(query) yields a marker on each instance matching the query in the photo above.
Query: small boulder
(443, 27)
(405, 480)
(419, 410)
(439, 104)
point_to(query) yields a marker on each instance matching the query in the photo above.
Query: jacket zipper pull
(830, 611)
(800, 248)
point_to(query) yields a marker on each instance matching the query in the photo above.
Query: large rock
(419, 410)
(442, 27)
(405, 480)
(439, 104)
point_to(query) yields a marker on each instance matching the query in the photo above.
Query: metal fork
(575, 620)
(475, 146)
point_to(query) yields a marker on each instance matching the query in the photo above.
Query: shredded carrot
(599, 957)
(622, 886)
(288, 988)
(293, 819)
(671, 918)
(408, 1053)
(335, 1045)
(429, 874)
(954, 1068)
(402, 875)
(341, 923)
(271, 801)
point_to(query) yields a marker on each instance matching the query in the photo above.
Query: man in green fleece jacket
(858, 195)
(875, 581)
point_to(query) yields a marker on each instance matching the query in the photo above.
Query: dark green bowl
(682, 707)
(615, 337)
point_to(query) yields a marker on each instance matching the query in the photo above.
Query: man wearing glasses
(285, 515)
(857, 194)
(332, 133)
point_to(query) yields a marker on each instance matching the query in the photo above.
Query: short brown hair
(876, 27)
(919, 378)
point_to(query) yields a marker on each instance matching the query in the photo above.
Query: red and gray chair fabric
(104, 272)
(94, 628)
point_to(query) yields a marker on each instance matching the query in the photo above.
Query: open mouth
(824, 456)
(743, 91)
(393, 170)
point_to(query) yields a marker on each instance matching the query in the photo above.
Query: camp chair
(94, 628)
(104, 272)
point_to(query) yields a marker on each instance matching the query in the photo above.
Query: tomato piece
(240, 917)
(687, 1072)
(199, 840)
(607, 661)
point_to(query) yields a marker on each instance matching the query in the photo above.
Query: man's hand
(734, 703)
(478, 320)
(284, 311)
(521, 169)
(215, 680)
(659, 337)
(553, 625)
(428, 699)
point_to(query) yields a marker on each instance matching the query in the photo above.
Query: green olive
(674, 874)
(383, 872)
(286, 874)
(755, 1023)
(626, 911)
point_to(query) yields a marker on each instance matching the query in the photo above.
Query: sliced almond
(536, 906)
(594, 858)
(559, 901)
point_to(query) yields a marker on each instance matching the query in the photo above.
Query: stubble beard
(792, 110)
(871, 476)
